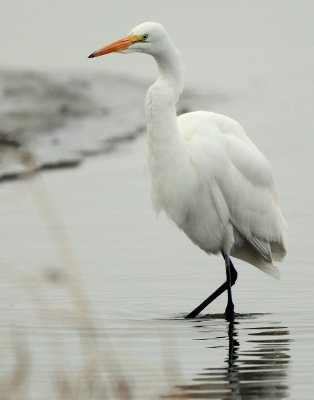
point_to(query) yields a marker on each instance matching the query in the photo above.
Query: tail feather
(278, 250)
(253, 257)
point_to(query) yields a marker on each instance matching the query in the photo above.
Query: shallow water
(93, 287)
(140, 276)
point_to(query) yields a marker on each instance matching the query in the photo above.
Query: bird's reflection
(257, 371)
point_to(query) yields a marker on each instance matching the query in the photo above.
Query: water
(259, 370)
(93, 287)
(141, 275)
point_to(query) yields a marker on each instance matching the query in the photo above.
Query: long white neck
(171, 71)
(168, 158)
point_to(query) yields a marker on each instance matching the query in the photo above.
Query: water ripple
(255, 367)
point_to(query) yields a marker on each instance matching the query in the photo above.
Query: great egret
(206, 174)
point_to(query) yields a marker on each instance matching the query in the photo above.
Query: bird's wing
(250, 195)
(221, 150)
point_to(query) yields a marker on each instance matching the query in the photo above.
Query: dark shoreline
(60, 119)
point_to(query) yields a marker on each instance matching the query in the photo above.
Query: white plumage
(207, 175)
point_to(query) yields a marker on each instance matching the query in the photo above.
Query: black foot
(209, 299)
(229, 313)
(214, 295)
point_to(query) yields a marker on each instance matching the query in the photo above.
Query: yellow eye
(145, 37)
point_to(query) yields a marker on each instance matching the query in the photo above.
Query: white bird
(206, 174)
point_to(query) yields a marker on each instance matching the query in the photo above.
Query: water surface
(139, 278)
(93, 287)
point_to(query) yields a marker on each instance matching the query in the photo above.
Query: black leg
(225, 286)
(229, 312)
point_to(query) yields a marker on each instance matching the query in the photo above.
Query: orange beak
(118, 45)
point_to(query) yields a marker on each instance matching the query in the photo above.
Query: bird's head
(149, 37)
